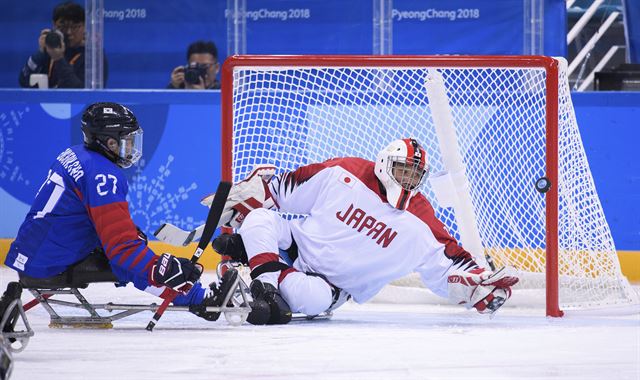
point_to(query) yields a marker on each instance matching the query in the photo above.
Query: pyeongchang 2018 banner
(145, 40)
(473, 27)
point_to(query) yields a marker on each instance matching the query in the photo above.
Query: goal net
(491, 126)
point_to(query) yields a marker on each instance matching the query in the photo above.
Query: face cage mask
(408, 174)
(130, 149)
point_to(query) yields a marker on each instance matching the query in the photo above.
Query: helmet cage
(408, 173)
(401, 168)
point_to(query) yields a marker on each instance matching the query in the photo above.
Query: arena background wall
(181, 161)
(145, 39)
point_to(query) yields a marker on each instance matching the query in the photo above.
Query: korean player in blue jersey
(82, 206)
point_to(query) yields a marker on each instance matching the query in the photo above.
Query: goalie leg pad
(309, 294)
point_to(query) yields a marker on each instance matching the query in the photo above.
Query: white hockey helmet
(402, 167)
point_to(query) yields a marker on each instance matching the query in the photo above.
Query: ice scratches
(370, 341)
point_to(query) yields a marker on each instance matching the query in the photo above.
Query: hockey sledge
(95, 269)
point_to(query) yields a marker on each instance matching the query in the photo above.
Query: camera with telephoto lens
(53, 39)
(194, 71)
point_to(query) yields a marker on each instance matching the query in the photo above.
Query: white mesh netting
(292, 116)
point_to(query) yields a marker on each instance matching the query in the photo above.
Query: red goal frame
(549, 64)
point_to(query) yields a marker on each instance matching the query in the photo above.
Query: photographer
(60, 52)
(201, 69)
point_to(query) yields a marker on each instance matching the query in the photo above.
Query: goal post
(492, 125)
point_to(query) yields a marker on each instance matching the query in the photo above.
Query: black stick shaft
(213, 218)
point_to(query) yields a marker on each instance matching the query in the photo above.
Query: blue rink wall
(181, 161)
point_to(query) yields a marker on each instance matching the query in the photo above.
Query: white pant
(264, 233)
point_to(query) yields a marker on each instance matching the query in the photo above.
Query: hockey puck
(543, 185)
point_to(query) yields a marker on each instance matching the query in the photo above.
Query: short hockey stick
(213, 218)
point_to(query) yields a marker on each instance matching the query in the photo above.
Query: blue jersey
(80, 206)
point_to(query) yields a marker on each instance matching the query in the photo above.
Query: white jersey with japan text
(355, 238)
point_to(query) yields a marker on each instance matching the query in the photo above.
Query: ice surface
(371, 341)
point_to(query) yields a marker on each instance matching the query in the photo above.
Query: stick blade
(173, 235)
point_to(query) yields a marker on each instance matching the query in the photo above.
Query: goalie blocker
(244, 197)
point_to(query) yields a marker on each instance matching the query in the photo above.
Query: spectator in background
(201, 69)
(61, 51)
